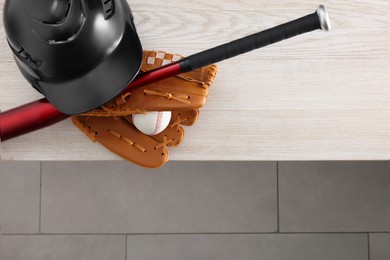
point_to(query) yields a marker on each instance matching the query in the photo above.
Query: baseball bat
(41, 113)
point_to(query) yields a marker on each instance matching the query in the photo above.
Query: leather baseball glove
(111, 125)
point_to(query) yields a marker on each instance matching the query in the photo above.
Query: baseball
(152, 123)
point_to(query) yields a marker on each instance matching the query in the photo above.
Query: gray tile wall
(75, 247)
(183, 197)
(249, 246)
(195, 210)
(19, 197)
(380, 246)
(334, 197)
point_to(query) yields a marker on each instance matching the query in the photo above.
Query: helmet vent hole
(51, 13)
(108, 8)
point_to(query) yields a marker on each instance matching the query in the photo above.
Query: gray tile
(248, 247)
(334, 196)
(19, 197)
(182, 197)
(379, 246)
(63, 247)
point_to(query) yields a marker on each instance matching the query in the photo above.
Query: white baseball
(152, 123)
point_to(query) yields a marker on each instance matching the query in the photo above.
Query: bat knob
(324, 18)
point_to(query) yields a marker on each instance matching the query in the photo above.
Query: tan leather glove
(112, 126)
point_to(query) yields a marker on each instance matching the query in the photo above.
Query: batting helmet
(78, 53)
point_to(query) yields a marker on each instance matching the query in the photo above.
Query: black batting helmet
(78, 53)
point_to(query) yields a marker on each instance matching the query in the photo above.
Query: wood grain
(315, 97)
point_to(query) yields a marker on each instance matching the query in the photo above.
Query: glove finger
(124, 140)
(172, 94)
(175, 131)
(183, 92)
(187, 118)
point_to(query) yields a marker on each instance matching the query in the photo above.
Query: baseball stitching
(158, 122)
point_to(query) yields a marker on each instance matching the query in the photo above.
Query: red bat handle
(39, 114)
(28, 118)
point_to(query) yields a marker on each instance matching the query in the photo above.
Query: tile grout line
(174, 234)
(125, 246)
(277, 198)
(369, 246)
(40, 198)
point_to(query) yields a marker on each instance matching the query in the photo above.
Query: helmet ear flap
(108, 8)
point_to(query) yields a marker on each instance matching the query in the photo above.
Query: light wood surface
(320, 96)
